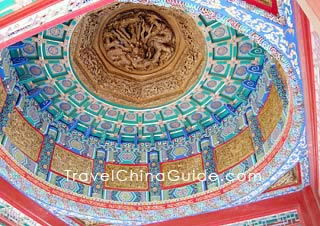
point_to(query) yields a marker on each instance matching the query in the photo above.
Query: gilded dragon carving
(139, 40)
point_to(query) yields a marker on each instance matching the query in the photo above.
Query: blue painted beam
(18, 61)
(119, 141)
(185, 133)
(73, 125)
(168, 137)
(136, 137)
(45, 104)
(34, 92)
(230, 109)
(216, 119)
(17, 45)
(88, 132)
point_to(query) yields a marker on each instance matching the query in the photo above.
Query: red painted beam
(26, 11)
(54, 22)
(307, 71)
(308, 213)
(5, 221)
(271, 9)
(27, 206)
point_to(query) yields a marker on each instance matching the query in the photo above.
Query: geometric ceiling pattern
(237, 118)
(221, 84)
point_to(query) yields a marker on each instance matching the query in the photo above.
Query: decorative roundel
(149, 116)
(79, 96)
(49, 90)
(245, 48)
(129, 129)
(184, 105)
(168, 112)
(95, 106)
(35, 70)
(219, 32)
(29, 48)
(242, 70)
(85, 118)
(57, 68)
(151, 129)
(112, 113)
(216, 104)
(174, 124)
(199, 96)
(131, 116)
(230, 89)
(218, 68)
(106, 125)
(212, 83)
(65, 106)
(53, 50)
(54, 31)
(196, 116)
(222, 51)
(66, 83)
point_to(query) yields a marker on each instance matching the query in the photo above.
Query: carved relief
(64, 159)
(127, 177)
(24, 136)
(3, 96)
(291, 178)
(138, 40)
(234, 151)
(138, 55)
(270, 114)
(182, 172)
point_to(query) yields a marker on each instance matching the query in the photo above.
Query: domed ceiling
(146, 89)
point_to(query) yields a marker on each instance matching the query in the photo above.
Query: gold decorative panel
(291, 178)
(138, 55)
(126, 177)
(234, 151)
(71, 165)
(265, 2)
(182, 172)
(283, 75)
(270, 114)
(24, 136)
(3, 96)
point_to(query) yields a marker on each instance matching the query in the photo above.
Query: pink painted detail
(316, 64)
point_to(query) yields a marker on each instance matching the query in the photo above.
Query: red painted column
(307, 70)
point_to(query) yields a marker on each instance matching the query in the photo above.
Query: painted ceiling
(242, 114)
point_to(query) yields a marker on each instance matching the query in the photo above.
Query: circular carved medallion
(137, 55)
(138, 39)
